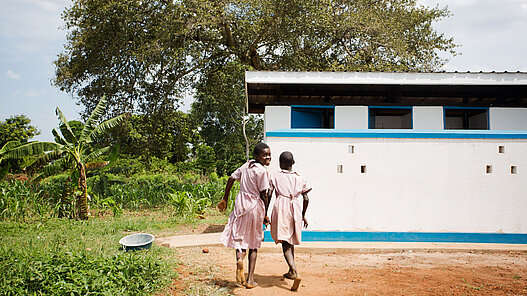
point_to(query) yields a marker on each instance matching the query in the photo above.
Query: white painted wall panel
(277, 117)
(508, 118)
(428, 117)
(351, 117)
(425, 185)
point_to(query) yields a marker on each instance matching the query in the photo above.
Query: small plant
(471, 286)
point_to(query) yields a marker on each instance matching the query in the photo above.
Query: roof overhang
(385, 89)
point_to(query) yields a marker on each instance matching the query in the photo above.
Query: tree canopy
(17, 128)
(144, 55)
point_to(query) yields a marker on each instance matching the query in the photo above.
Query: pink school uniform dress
(245, 226)
(286, 218)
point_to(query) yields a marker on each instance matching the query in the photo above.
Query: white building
(402, 156)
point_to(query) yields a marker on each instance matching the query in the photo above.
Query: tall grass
(21, 201)
(180, 199)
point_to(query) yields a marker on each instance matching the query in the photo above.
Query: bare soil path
(358, 272)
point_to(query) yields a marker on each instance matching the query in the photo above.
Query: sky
(491, 35)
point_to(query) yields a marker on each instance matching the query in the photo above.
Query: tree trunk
(65, 197)
(246, 112)
(82, 200)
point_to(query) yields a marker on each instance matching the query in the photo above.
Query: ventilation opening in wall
(514, 170)
(501, 149)
(339, 168)
(313, 117)
(474, 118)
(390, 117)
(351, 149)
(363, 169)
(488, 169)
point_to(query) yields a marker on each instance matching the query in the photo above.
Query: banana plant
(72, 152)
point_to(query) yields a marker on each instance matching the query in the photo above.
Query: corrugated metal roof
(503, 89)
(388, 78)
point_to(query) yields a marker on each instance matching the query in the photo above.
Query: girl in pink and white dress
(244, 229)
(289, 212)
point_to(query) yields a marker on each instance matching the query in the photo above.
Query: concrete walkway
(211, 239)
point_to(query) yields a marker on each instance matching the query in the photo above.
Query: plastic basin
(138, 241)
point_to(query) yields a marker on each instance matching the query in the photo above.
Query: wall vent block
(501, 149)
(339, 168)
(351, 149)
(514, 170)
(363, 169)
(488, 169)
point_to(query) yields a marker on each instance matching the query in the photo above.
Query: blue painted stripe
(390, 107)
(398, 133)
(435, 237)
(314, 106)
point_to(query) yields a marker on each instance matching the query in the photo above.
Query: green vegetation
(72, 152)
(68, 257)
(46, 255)
(142, 58)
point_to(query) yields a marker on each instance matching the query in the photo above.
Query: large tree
(219, 109)
(17, 128)
(14, 131)
(143, 55)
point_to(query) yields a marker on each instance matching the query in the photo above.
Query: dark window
(312, 117)
(392, 118)
(468, 119)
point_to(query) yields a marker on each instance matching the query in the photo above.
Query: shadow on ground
(214, 228)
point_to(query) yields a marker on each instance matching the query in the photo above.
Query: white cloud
(30, 93)
(12, 74)
(31, 26)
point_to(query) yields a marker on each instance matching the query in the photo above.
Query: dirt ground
(354, 272)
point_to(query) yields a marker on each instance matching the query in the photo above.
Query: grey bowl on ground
(138, 241)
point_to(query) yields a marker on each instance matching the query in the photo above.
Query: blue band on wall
(435, 237)
(394, 133)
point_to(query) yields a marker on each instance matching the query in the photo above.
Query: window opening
(466, 118)
(313, 117)
(390, 118)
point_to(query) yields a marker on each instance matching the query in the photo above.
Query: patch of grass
(63, 256)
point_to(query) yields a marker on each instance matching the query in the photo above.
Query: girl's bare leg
(253, 253)
(289, 254)
(240, 276)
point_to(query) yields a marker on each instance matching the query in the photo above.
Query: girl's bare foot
(240, 277)
(290, 275)
(296, 283)
(251, 285)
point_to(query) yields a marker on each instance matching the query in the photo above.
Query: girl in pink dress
(289, 212)
(244, 229)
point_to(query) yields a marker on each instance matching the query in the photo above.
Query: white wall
(428, 117)
(277, 117)
(508, 118)
(425, 185)
(351, 117)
